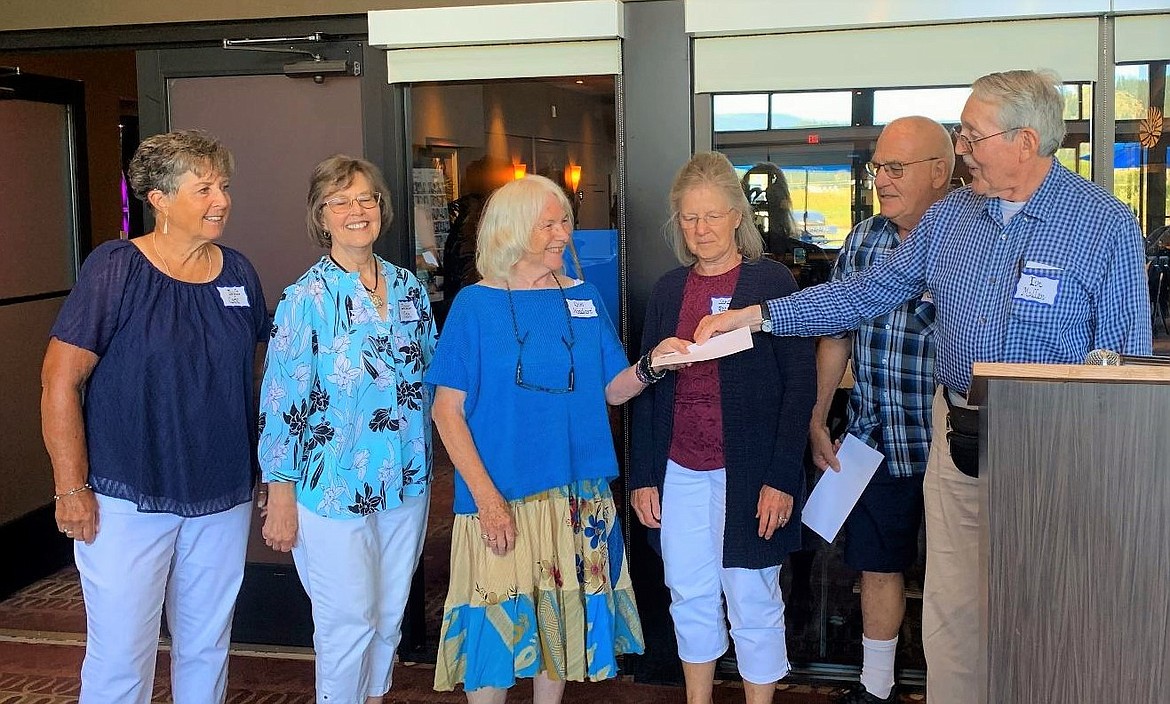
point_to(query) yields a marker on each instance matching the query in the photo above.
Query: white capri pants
(693, 510)
(137, 562)
(357, 573)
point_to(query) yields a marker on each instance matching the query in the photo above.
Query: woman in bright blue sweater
(527, 361)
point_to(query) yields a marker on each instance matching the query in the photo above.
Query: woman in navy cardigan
(718, 447)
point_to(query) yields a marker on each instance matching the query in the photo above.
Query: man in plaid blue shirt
(890, 402)
(1029, 263)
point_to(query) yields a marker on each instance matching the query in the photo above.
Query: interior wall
(110, 82)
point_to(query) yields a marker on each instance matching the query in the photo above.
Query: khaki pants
(954, 608)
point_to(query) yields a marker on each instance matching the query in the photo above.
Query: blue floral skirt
(560, 603)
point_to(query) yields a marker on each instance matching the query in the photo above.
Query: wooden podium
(1076, 467)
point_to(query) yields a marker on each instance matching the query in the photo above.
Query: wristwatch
(765, 318)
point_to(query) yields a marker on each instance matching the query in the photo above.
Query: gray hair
(509, 218)
(712, 170)
(160, 161)
(334, 174)
(1026, 99)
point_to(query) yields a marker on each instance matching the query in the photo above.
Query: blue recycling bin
(598, 252)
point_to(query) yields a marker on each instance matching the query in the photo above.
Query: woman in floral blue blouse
(345, 432)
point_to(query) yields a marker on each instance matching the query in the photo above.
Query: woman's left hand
(670, 344)
(774, 509)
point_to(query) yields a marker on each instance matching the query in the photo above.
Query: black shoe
(858, 694)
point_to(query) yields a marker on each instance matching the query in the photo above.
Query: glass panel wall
(1140, 153)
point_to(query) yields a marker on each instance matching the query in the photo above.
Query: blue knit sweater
(767, 395)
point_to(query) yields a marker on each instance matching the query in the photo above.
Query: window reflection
(941, 104)
(814, 109)
(738, 113)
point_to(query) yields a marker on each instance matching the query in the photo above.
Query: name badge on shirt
(582, 308)
(1037, 289)
(407, 312)
(233, 296)
(720, 304)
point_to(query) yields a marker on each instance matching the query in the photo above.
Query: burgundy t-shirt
(697, 438)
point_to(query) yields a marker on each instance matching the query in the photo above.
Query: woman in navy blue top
(148, 418)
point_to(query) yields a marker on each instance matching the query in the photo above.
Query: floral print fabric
(343, 409)
(561, 602)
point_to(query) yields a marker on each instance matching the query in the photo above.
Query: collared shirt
(1063, 277)
(893, 360)
(343, 410)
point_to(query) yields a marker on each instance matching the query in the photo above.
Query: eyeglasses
(967, 144)
(895, 169)
(572, 340)
(690, 221)
(342, 204)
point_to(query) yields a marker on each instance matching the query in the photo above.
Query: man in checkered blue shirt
(890, 402)
(1029, 263)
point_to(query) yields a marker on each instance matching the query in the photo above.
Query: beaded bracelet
(71, 492)
(645, 373)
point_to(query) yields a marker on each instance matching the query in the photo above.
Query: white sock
(877, 665)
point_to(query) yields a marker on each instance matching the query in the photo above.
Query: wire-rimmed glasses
(340, 205)
(895, 169)
(520, 341)
(967, 144)
(690, 221)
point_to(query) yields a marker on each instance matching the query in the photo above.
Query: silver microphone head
(1103, 358)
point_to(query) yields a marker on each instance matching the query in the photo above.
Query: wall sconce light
(519, 171)
(573, 176)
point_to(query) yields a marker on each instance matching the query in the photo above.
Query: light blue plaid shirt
(893, 360)
(1071, 235)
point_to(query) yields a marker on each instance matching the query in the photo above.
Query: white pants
(138, 561)
(693, 509)
(357, 573)
(954, 611)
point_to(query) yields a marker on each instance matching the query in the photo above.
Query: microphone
(1103, 358)
(1109, 358)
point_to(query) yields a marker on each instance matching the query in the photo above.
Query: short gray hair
(334, 174)
(509, 218)
(1026, 99)
(712, 170)
(161, 160)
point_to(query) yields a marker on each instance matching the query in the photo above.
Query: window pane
(1078, 159)
(821, 202)
(940, 104)
(735, 113)
(1078, 101)
(819, 109)
(1133, 91)
(1128, 184)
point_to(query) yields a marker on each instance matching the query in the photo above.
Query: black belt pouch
(963, 436)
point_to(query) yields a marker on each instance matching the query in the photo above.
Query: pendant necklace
(373, 292)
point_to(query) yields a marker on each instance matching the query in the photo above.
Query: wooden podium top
(1124, 374)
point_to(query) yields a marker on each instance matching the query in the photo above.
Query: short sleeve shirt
(169, 413)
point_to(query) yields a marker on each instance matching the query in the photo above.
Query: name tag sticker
(1041, 266)
(407, 312)
(720, 304)
(582, 308)
(233, 296)
(1037, 289)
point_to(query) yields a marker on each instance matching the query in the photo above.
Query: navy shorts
(881, 534)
